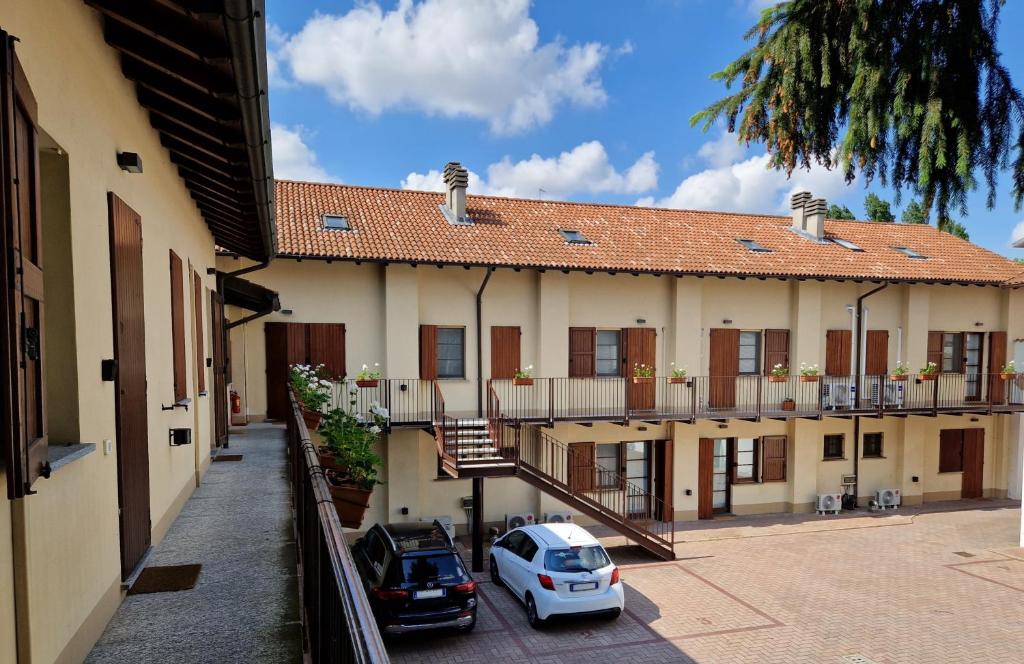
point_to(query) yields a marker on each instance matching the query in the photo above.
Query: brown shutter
(582, 349)
(428, 352)
(21, 312)
(663, 459)
(773, 466)
(996, 362)
(327, 347)
(724, 367)
(178, 328)
(200, 348)
(705, 478)
(877, 356)
(640, 347)
(505, 360)
(220, 391)
(837, 352)
(951, 450)
(776, 349)
(971, 483)
(935, 348)
(285, 346)
(582, 465)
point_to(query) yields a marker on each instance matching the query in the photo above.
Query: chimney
(814, 218)
(797, 202)
(456, 179)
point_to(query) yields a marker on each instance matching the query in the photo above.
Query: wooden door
(130, 384)
(705, 478)
(776, 349)
(724, 367)
(996, 362)
(974, 463)
(582, 352)
(663, 479)
(581, 466)
(505, 355)
(876, 360)
(640, 347)
(327, 347)
(286, 345)
(218, 336)
(837, 352)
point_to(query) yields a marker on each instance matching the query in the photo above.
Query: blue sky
(566, 99)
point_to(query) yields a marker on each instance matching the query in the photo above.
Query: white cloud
(293, 158)
(1017, 236)
(276, 39)
(732, 184)
(453, 58)
(584, 169)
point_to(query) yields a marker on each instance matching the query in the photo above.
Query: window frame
(881, 445)
(332, 215)
(615, 472)
(842, 447)
(618, 352)
(758, 353)
(755, 467)
(440, 374)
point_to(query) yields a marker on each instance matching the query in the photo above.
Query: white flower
(375, 429)
(365, 367)
(376, 364)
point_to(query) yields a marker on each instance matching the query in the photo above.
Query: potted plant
(523, 376)
(809, 373)
(352, 473)
(899, 373)
(643, 373)
(788, 404)
(678, 376)
(312, 390)
(1009, 371)
(778, 374)
(369, 377)
(929, 372)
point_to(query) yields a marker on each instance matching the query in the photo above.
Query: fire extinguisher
(236, 403)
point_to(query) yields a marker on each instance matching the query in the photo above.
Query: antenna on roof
(540, 192)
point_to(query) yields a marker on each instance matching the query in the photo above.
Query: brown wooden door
(581, 466)
(876, 361)
(640, 347)
(130, 384)
(327, 347)
(776, 349)
(582, 352)
(663, 479)
(505, 357)
(996, 362)
(286, 345)
(705, 478)
(218, 336)
(837, 353)
(724, 367)
(974, 463)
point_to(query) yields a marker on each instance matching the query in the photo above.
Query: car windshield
(576, 559)
(444, 568)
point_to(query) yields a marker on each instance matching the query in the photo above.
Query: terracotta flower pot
(788, 404)
(898, 377)
(368, 382)
(809, 379)
(522, 381)
(929, 376)
(311, 418)
(1008, 376)
(351, 503)
(330, 462)
(772, 378)
(679, 380)
(643, 380)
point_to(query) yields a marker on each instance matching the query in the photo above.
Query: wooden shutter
(582, 463)
(935, 348)
(200, 348)
(776, 349)
(951, 450)
(724, 367)
(505, 359)
(705, 478)
(663, 461)
(640, 347)
(285, 346)
(428, 352)
(23, 338)
(773, 458)
(877, 355)
(582, 348)
(972, 481)
(327, 347)
(996, 362)
(218, 342)
(837, 352)
(178, 328)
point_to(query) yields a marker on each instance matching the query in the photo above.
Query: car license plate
(577, 587)
(428, 594)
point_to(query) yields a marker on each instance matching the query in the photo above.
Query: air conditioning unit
(893, 394)
(830, 502)
(836, 393)
(558, 517)
(519, 520)
(888, 498)
(445, 521)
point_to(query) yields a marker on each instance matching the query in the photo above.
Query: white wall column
(552, 324)
(402, 322)
(685, 343)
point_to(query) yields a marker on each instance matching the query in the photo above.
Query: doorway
(972, 480)
(713, 490)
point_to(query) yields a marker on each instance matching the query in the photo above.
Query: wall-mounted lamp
(723, 426)
(974, 419)
(129, 161)
(641, 428)
(641, 321)
(978, 323)
(211, 271)
(726, 321)
(286, 312)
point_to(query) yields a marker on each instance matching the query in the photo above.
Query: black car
(415, 578)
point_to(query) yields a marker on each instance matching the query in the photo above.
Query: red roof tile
(407, 226)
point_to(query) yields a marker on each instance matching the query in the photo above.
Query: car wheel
(535, 620)
(495, 576)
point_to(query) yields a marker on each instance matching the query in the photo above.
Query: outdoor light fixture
(641, 321)
(129, 161)
(978, 324)
(726, 321)
(723, 426)
(286, 312)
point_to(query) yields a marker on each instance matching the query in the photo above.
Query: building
(451, 294)
(134, 141)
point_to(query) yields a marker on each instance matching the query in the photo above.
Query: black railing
(338, 624)
(408, 401)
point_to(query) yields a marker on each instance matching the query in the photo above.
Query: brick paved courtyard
(938, 586)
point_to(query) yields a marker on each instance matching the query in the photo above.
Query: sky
(584, 100)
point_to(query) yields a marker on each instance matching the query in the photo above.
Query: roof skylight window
(910, 253)
(754, 246)
(573, 237)
(336, 222)
(846, 244)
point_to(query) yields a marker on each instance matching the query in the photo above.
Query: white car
(557, 569)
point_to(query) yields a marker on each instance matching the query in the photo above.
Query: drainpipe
(860, 343)
(480, 345)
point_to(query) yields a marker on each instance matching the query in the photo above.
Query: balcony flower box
(368, 377)
(1006, 375)
(773, 378)
(643, 380)
(809, 378)
(351, 502)
(368, 382)
(678, 380)
(522, 381)
(899, 378)
(788, 404)
(311, 418)
(928, 376)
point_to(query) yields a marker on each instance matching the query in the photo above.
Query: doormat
(166, 579)
(228, 457)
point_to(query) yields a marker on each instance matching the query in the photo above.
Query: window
(952, 351)
(573, 236)
(750, 352)
(846, 244)
(336, 222)
(178, 328)
(910, 253)
(451, 352)
(577, 559)
(608, 465)
(375, 551)
(754, 246)
(744, 461)
(872, 445)
(527, 549)
(608, 357)
(833, 447)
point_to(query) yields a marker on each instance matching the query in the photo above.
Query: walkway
(244, 608)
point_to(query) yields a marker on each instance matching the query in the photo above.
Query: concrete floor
(244, 608)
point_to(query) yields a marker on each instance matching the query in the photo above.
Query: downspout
(480, 344)
(860, 358)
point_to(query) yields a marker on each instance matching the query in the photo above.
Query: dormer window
(573, 237)
(846, 244)
(754, 246)
(910, 253)
(336, 222)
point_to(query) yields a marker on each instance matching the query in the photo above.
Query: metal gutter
(859, 343)
(480, 345)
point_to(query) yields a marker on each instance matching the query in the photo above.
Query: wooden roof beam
(184, 93)
(192, 37)
(222, 152)
(168, 60)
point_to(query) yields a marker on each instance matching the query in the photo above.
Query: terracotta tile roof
(407, 226)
